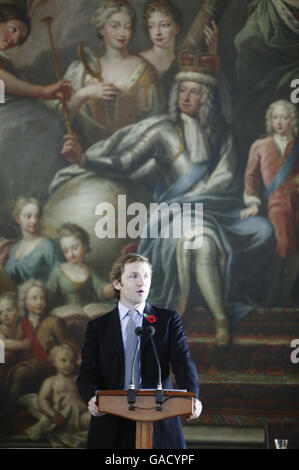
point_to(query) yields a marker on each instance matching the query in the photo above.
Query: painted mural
(113, 111)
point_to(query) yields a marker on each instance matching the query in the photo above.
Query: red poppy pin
(150, 318)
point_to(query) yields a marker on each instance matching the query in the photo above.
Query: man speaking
(108, 352)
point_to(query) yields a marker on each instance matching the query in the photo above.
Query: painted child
(274, 159)
(44, 331)
(10, 332)
(34, 256)
(74, 282)
(58, 404)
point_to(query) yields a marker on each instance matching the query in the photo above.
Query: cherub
(58, 406)
(10, 332)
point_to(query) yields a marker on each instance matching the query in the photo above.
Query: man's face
(189, 98)
(135, 283)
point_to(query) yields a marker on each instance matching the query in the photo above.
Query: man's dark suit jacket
(102, 368)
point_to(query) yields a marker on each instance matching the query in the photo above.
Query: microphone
(150, 330)
(132, 389)
(139, 331)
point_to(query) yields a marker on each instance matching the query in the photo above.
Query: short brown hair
(119, 266)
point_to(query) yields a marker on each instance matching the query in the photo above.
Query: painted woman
(33, 256)
(163, 20)
(73, 281)
(116, 88)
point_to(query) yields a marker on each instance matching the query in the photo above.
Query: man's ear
(116, 284)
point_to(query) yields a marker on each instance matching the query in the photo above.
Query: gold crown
(113, 3)
(201, 67)
(195, 61)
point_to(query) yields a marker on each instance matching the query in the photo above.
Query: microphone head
(138, 331)
(150, 330)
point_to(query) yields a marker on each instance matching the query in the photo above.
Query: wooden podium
(145, 410)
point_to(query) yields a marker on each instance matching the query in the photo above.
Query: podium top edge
(174, 393)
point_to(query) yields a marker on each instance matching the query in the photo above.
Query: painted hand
(104, 90)
(71, 149)
(61, 90)
(251, 211)
(212, 38)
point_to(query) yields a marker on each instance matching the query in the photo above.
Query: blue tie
(131, 341)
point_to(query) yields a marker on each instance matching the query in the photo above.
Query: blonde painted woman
(115, 88)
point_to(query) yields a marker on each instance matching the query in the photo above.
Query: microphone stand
(159, 391)
(132, 389)
(150, 330)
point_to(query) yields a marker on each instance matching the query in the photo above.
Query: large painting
(166, 128)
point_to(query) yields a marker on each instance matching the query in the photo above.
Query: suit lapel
(148, 311)
(115, 334)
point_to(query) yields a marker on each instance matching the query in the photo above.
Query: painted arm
(99, 91)
(252, 184)
(103, 290)
(16, 345)
(101, 158)
(15, 86)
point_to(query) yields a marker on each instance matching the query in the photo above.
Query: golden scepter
(48, 21)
